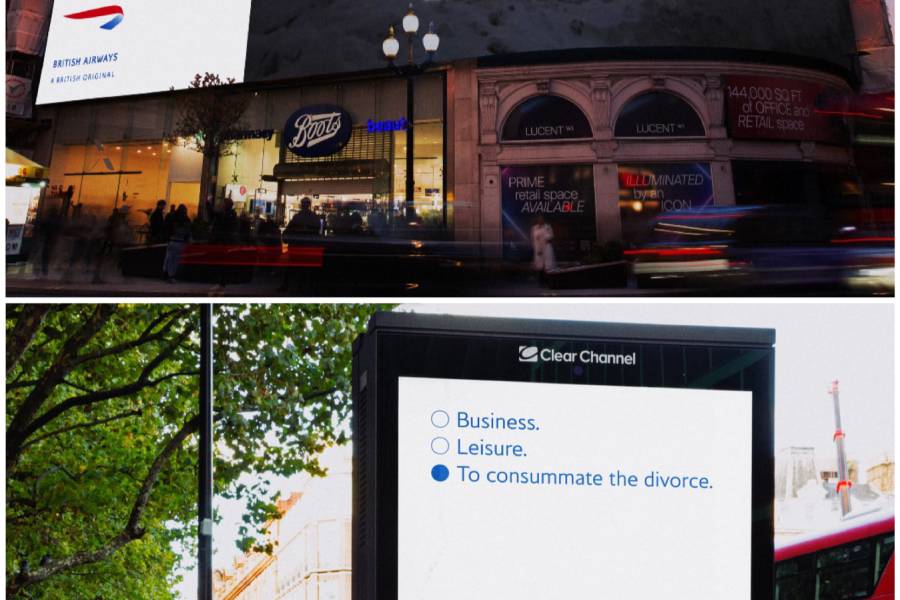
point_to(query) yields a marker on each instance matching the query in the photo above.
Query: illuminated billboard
(503, 458)
(97, 50)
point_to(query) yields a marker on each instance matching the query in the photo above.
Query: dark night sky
(297, 38)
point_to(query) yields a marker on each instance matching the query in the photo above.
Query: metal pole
(410, 151)
(843, 484)
(204, 502)
(444, 154)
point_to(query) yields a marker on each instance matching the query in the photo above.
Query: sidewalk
(478, 284)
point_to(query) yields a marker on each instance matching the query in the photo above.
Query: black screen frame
(486, 349)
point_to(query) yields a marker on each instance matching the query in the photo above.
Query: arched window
(545, 118)
(658, 114)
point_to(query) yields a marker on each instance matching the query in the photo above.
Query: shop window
(240, 175)
(362, 188)
(651, 190)
(116, 176)
(545, 118)
(796, 183)
(658, 115)
(349, 191)
(428, 162)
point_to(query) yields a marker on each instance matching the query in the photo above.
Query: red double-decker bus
(855, 562)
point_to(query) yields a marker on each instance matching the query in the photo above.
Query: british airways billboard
(98, 49)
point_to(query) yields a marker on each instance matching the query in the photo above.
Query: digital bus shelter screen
(542, 490)
(97, 49)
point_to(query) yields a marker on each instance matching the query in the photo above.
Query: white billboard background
(486, 540)
(158, 45)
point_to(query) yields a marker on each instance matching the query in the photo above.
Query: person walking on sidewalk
(179, 237)
(542, 246)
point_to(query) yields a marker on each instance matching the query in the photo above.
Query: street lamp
(391, 48)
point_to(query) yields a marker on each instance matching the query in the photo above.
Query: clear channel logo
(533, 354)
(528, 354)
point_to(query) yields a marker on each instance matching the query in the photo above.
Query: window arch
(658, 114)
(545, 117)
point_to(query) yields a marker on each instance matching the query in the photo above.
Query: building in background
(26, 180)
(870, 109)
(828, 472)
(311, 557)
(26, 37)
(806, 499)
(881, 477)
(582, 120)
(794, 468)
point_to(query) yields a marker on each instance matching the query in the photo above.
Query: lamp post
(391, 48)
(205, 479)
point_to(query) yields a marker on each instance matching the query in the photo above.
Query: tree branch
(143, 381)
(145, 338)
(20, 384)
(27, 324)
(62, 364)
(124, 415)
(130, 532)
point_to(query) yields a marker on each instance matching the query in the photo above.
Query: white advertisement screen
(97, 50)
(540, 490)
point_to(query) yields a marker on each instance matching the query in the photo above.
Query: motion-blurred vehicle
(853, 562)
(761, 246)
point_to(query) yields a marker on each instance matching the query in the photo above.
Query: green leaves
(282, 394)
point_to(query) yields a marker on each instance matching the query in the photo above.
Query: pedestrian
(49, 227)
(224, 228)
(158, 224)
(169, 220)
(542, 246)
(178, 239)
(79, 230)
(67, 201)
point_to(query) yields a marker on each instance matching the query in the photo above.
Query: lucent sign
(97, 49)
(545, 117)
(658, 115)
(504, 458)
(315, 131)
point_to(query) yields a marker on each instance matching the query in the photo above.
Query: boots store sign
(319, 130)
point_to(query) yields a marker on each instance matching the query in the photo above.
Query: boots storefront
(336, 147)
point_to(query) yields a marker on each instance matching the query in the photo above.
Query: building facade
(106, 154)
(596, 145)
(312, 544)
(881, 477)
(601, 146)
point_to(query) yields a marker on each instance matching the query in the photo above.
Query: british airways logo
(104, 11)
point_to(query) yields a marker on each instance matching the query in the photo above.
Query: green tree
(101, 413)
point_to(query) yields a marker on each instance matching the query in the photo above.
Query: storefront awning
(323, 171)
(21, 170)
